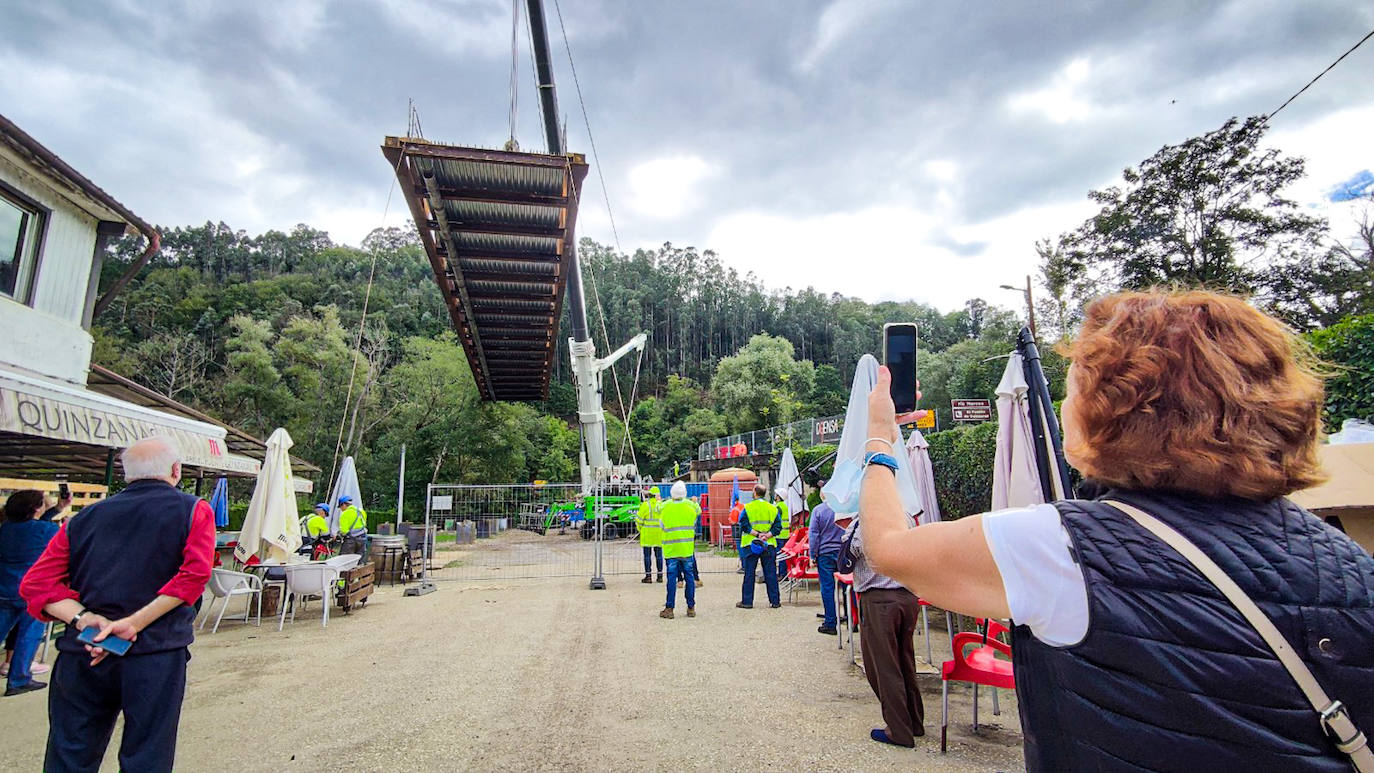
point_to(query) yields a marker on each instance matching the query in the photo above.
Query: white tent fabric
(918, 453)
(271, 529)
(1015, 477)
(842, 490)
(789, 487)
(345, 485)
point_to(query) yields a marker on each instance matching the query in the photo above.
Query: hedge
(1347, 348)
(961, 459)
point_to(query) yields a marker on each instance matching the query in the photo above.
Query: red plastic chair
(981, 666)
(800, 570)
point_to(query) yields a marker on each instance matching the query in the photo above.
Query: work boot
(828, 630)
(691, 611)
(660, 578)
(742, 605)
(667, 613)
(647, 579)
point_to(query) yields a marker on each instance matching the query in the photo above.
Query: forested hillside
(263, 331)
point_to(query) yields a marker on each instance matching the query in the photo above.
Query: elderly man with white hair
(130, 566)
(679, 519)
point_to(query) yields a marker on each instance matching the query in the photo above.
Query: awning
(55, 428)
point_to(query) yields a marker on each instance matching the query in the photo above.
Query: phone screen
(112, 644)
(899, 355)
(62, 491)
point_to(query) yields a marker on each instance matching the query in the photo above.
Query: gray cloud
(266, 114)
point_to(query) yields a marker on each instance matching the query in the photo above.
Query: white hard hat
(679, 490)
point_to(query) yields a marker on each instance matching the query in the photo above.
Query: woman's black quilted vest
(1170, 677)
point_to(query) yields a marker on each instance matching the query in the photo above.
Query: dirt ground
(542, 675)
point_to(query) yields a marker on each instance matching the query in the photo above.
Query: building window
(21, 227)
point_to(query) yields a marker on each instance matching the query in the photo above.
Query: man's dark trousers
(826, 565)
(84, 701)
(887, 627)
(768, 562)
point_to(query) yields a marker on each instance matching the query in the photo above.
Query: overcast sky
(879, 148)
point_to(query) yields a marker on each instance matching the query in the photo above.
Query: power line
(1319, 76)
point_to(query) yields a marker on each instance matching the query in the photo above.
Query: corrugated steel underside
(497, 227)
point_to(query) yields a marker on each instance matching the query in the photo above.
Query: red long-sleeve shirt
(47, 580)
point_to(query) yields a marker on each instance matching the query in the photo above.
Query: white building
(54, 227)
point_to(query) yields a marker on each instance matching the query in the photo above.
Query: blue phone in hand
(111, 644)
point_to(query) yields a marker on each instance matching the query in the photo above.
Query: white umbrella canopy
(271, 528)
(1015, 477)
(789, 485)
(918, 453)
(344, 485)
(842, 490)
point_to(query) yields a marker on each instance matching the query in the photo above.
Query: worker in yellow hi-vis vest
(650, 533)
(759, 526)
(679, 518)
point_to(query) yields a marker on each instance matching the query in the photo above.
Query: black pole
(109, 469)
(1042, 406)
(548, 104)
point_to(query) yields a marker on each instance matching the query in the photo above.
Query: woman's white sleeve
(1044, 584)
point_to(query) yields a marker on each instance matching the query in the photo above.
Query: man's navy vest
(1170, 676)
(123, 550)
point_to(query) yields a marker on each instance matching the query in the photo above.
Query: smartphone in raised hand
(899, 355)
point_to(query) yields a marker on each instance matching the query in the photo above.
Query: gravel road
(541, 675)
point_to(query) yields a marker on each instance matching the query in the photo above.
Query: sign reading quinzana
(971, 410)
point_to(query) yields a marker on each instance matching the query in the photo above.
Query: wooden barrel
(389, 565)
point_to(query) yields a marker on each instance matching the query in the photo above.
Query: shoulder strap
(1334, 718)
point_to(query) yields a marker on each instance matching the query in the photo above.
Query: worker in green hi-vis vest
(759, 526)
(650, 533)
(679, 517)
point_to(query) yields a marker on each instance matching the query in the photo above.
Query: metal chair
(225, 584)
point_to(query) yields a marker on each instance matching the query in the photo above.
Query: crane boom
(595, 458)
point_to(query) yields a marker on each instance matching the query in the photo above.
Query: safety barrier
(803, 433)
(518, 532)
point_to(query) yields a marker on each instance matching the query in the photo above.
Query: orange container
(718, 504)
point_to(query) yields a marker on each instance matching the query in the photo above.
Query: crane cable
(413, 119)
(596, 295)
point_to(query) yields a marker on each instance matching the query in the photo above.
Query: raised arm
(947, 564)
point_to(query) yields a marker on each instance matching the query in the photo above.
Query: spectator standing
(887, 628)
(130, 566)
(679, 545)
(824, 538)
(1202, 412)
(650, 534)
(22, 540)
(759, 522)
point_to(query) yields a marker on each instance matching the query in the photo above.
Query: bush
(1347, 346)
(961, 460)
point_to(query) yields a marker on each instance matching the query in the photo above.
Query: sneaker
(33, 684)
(691, 611)
(828, 630)
(667, 613)
(40, 668)
(648, 579)
(739, 570)
(742, 605)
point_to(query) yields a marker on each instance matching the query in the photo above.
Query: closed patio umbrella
(1015, 478)
(271, 528)
(918, 453)
(344, 485)
(789, 485)
(842, 490)
(219, 503)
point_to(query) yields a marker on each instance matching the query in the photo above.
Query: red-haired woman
(1199, 410)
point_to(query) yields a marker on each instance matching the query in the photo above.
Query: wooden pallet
(357, 586)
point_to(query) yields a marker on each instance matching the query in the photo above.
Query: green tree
(1348, 347)
(1209, 212)
(762, 384)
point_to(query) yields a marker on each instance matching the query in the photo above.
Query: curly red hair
(1194, 392)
